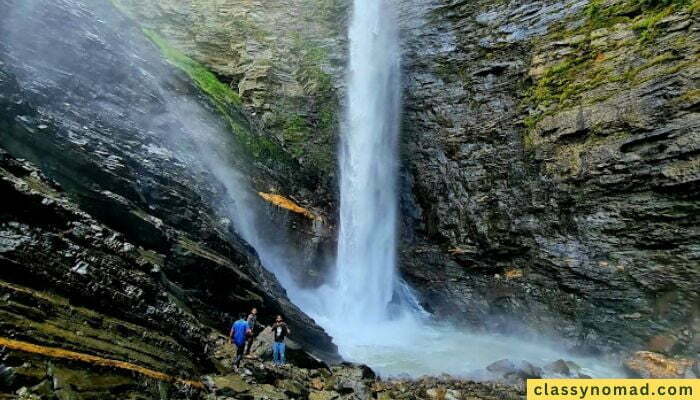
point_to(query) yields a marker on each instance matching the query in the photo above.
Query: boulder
(558, 367)
(262, 348)
(562, 368)
(351, 378)
(6, 375)
(267, 392)
(442, 393)
(292, 388)
(229, 385)
(662, 344)
(647, 364)
(519, 369)
(323, 395)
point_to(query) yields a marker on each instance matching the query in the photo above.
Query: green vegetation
(249, 30)
(309, 135)
(646, 26)
(296, 131)
(226, 101)
(572, 80)
(208, 82)
(691, 96)
(559, 86)
(568, 158)
(329, 11)
(312, 57)
(597, 67)
(644, 14)
(449, 69)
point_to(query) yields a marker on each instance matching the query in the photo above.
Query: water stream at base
(412, 343)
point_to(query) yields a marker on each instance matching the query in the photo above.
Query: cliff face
(550, 167)
(551, 151)
(125, 251)
(283, 58)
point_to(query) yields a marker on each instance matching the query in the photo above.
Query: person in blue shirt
(238, 335)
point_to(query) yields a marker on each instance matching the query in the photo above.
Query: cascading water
(372, 315)
(368, 202)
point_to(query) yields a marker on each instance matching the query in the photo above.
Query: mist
(354, 304)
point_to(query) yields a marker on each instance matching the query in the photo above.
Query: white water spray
(354, 305)
(368, 201)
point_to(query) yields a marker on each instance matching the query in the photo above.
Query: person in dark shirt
(280, 331)
(238, 335)
(252, 320)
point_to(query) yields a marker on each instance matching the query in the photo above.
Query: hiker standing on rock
(279, 332)
(239, 333)
(252, 320)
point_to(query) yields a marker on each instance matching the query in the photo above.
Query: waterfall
(365, 266)
(354, 305)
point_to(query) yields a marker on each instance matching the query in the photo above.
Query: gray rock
(512, 370)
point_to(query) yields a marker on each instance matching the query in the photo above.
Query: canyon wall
(551, 153)
(115, 241)
(549, 169)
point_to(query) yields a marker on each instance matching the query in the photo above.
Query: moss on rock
(225, 100)
(619, 46)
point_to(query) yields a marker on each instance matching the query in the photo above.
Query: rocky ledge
(63, 377)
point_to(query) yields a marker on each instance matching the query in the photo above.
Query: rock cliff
(551, 152)
(125, 250)
(549, 175)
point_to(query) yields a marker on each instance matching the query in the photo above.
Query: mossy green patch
(646, 25)
(226, 101)
(249, 30)
(645, 13)
(309, 135)
(574, 79)
(207, 81)
(560, 85)
(691, 96)
(568, 158)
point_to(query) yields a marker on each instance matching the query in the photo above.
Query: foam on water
(414, 347)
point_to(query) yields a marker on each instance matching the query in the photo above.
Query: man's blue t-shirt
(239, 329)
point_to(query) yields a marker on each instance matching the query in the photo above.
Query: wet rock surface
(40, 377)
(284, 59)
(345, 382)
(551, 152)
(90, 101)
(550, 182)
(549, 155)
(515, 373)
